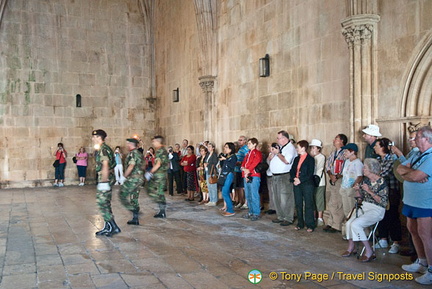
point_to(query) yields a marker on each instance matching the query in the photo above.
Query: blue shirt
(419, 195)
(118, 159)
(242, 152)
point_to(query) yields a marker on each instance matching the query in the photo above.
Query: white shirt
(277, 166)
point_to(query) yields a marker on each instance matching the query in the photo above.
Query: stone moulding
(358, 28)
(2, 8)
(207, 83)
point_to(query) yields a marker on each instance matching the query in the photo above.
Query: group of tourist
(357, 194)
(341, 192)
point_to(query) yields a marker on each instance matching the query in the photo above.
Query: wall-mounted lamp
(176, 95)
(264, 66)
(78, 100)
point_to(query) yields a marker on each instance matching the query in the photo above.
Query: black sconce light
(176, 95)
(78, 100)
(264, 66)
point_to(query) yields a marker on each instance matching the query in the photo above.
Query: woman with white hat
(319, 194)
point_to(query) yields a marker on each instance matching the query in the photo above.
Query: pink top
(82, 162)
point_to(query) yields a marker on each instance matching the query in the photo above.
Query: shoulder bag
(213, 178)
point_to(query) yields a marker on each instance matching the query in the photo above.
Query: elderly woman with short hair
(374, 195)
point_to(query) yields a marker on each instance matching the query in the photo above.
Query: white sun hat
(372, 130)
(316, 143)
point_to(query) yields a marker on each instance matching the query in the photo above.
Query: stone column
(361, 35)
(207, 85)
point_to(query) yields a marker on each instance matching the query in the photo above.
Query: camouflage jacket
(135, 157)
(162, 157)
(105, 153)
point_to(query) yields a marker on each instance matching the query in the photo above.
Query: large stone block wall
(403, 31)
(306, 93)
(177, 66)
(50, 52)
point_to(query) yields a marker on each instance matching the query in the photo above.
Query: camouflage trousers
(103, 200)
(156, 188)
(129, 194)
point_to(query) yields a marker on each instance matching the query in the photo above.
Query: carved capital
(207, 83)
(359, 28)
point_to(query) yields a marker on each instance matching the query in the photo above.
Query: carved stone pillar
(361, 35)
(207, 85)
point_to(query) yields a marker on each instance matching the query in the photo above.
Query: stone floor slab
(47, 240)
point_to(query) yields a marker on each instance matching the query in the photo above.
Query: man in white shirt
(280, 166)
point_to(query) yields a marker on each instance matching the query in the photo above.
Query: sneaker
(425, 279)
(55, 185)
(244, 207)
(254, 217)
(415, 267)
(394, 249)
(61, 185)
(210, 204)
(320, 222)
(247, 216)
(381, 244)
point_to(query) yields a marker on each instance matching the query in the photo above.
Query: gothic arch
(417, 92)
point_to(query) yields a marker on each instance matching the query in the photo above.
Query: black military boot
(114, 229)
(161, 213)
(106, 229)
(134, 220)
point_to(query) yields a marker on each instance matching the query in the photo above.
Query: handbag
(262, 167)
(221, 179)
(317, 179)
(213, 179)
(74, 159)
(56, 163)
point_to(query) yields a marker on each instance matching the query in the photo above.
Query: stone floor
(47, 240)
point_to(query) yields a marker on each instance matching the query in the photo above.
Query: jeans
(252, 195)
(226, 190)
(212, 189)
(59, 171)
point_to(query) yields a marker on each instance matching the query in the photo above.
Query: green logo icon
(255, 276)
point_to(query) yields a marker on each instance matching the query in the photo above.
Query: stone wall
(50, 52)
(305, 94)
(177, 66)
(404, 59)
(308, 91)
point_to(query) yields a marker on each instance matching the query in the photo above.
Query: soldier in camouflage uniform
(105, 163)
(156, 177)
(134, 175)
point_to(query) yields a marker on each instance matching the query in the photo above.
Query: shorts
(238, 180)
(414, 212)
(82, 171)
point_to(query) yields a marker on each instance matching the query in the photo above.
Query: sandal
(222, 209)
(309, 230)
(297, 228)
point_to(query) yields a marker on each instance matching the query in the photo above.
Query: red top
(191, 163)
(301, 160)
(60, 156)
(251, 160)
